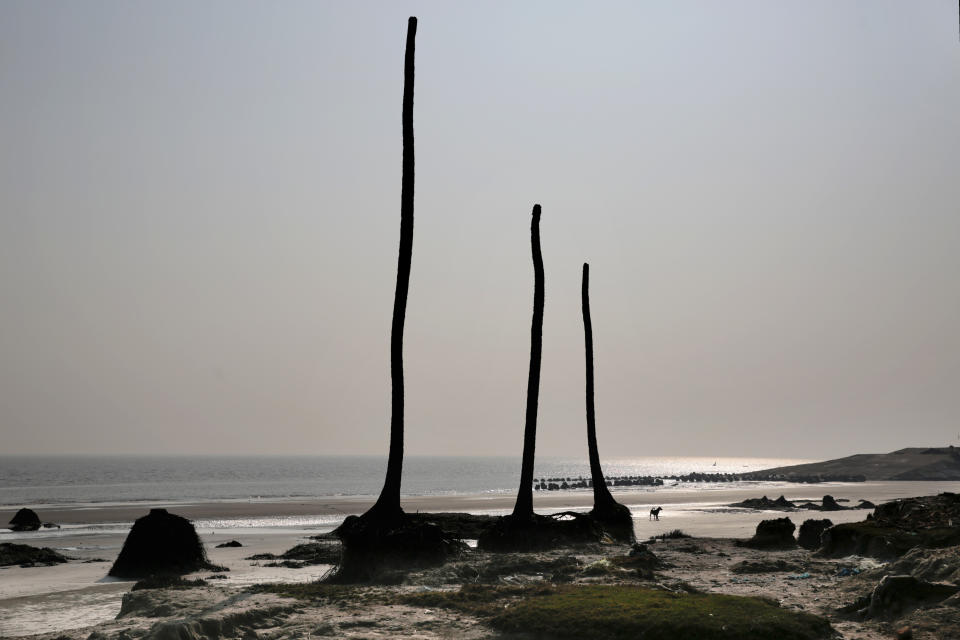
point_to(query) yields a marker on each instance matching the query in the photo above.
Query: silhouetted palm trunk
(615, 518)
(388, 504)
(601, 495)
(524, 506)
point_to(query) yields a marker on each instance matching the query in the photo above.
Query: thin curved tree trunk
(601, 495)
(523, 509)
(388, 504)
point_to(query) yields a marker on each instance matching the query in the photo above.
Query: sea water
(66, 480)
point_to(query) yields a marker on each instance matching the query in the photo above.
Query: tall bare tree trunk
(615, 518)
(388, 504)
(523, 509)
(601, 495)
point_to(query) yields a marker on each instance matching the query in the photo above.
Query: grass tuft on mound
(626, 612)
(671, 535)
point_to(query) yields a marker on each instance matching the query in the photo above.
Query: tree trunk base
(616, 520)
(379, 547)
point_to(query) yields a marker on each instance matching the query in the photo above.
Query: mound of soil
(24, 555)
(810, 532)
(160, 543)
(25, 520)
(540, 533)
(773, 534)
(303, 555)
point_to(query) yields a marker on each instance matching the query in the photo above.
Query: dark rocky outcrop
(862, 539)
(829, 504)
(765, 504)
(25, 520)
(160, 543)
(773, 534)
(942, 510)
(894, 528)
(24, 555)
(897, 595)
(232, 543)
(810, 532)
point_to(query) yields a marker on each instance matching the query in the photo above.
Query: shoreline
(709, 496)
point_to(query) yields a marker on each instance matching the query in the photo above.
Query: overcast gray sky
(199, 218)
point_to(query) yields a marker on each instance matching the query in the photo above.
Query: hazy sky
(199, 218)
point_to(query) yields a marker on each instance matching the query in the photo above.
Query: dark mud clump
(24, 555)
(303, 555)
(541, 533)
(773, 534)
(161, 543)
(25, 520)
(232, 543)
(810, 532)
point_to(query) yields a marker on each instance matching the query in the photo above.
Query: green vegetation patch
(630, 612)
(623, 611)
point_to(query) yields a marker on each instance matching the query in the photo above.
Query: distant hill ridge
(915, 463)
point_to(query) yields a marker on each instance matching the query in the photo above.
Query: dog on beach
(655, 513)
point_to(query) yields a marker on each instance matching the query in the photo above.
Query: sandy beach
(77, 595)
